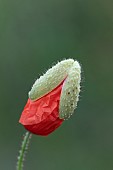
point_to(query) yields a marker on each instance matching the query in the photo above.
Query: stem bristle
(23, 151)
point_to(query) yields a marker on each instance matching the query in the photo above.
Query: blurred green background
(34, 35)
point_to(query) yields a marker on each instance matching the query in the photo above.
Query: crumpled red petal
(41, 117)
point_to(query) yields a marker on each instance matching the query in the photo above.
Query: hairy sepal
(51, 79)
(70, 92)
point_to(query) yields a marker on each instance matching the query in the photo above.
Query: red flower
(53, 98)
(41, 117)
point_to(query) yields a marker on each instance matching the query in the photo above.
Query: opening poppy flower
(53, 98)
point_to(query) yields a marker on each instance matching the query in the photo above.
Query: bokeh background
(35, 34)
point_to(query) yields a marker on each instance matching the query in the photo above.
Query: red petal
(41, 117)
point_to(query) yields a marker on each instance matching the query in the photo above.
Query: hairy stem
(23, 150)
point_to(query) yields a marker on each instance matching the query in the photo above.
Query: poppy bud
(52, 98)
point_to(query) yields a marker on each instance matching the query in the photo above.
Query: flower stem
(23, 150)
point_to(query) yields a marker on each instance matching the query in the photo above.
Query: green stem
(23, 150)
